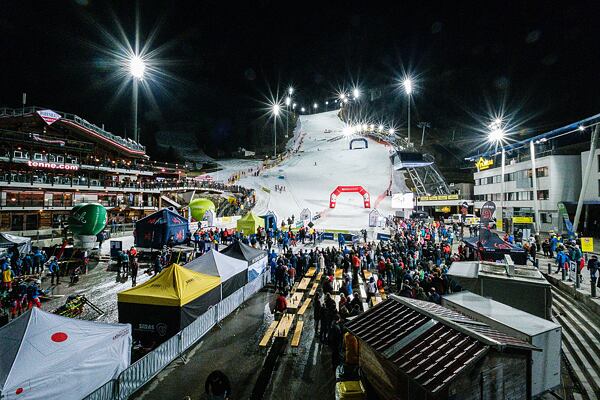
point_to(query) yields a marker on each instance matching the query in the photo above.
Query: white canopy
(217, 264)
(7, 241)
(46, 356)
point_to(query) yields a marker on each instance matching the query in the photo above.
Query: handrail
(16, 112)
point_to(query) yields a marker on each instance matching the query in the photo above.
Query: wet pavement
(304, 373)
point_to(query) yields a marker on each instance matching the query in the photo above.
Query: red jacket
(281, 303)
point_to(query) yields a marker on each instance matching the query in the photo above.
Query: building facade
(558, 180)
(51, 161)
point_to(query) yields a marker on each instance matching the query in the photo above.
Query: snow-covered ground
(323, 163)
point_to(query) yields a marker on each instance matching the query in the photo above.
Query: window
(543, 194)
(489, 180)
(497, 178)
(541, 172)
(546, 218)
(38, 157)
(60, 159)
(18, 154)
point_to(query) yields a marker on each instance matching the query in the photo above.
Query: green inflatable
(87, 219)
(198, 208)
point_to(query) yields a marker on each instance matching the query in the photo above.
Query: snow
(324, 162)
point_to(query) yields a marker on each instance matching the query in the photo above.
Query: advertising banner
(48, 116)
(487, 212)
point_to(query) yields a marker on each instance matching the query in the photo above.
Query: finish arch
(349, 189)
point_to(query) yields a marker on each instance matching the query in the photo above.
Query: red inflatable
(345, 189)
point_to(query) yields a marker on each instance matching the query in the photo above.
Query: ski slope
(323, 162)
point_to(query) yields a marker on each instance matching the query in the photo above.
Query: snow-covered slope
(323, 163)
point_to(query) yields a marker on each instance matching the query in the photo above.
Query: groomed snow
(323, 163)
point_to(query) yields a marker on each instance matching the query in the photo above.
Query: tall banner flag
(562, 211)
(487, 212)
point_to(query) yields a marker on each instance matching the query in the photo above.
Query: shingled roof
(429, 343)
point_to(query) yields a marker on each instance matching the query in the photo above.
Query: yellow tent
(249, 223)
(167, 303)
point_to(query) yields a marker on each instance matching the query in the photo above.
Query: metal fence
(143, 370)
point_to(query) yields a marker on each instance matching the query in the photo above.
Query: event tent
(7, 241)
(155, 230)
(233, 272)
(168, 302)
(492, 248)
(46, 356)
(256, 259)
(249, 223)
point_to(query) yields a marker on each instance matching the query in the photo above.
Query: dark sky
(540, 61)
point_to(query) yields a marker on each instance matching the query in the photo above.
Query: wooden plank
(294, 301)
(265, 340)
(304, 284)
(367, 274)
(284, 326)
(375, 300)
(304, 307)
(311, 272)
(297, 333)
(319, 276)
(313, 291)
(338, 273)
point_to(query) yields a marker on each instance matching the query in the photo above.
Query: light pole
(136, 69)
(423, 125)
(496, 135)
(315, 106)
(288, 101)
(326, 105)
(275, 112)
(408, 87)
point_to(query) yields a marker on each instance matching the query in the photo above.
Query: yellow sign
(587, 244)
(439, 198)
(522, 220)
(499, 225)
(483, 163)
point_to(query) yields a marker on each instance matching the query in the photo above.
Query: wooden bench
(338, 273)
(304, 284)
(265, 340)
(297, 333)
(367, 274)
(284, 326)
(311, 272)
(319, 276)
(304, 307)
(363, 293)
(293, 303)
(313, 291)
(375, 300)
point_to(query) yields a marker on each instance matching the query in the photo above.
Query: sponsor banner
(439, 198)
(49, 165)
(48, 116)
(587, 244)
(522, 220)
(562, 210)
(487, 212)
(383, 236)
(484, 163)
(327, 236)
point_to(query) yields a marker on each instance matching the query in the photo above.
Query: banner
(383, 236)
(522, 220)
(327, 236)
(562, 211)
(403, 200)
(48, 116)
(487, 212)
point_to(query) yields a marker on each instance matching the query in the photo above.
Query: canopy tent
(155, 230)
(46, 356)
(249, 223)
(492, 248)
(7, 241)
(256, 259)
(233, 272)
(168, 302)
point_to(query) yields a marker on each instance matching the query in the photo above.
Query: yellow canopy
(174, 286)
(249, 223)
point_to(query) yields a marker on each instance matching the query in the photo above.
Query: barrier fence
(143, 370)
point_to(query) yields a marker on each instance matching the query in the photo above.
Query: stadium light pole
(326, 105)
(423, 125)
(136, 69)
(408, 87)
(496, 135)
(288, 101)
(275, 111)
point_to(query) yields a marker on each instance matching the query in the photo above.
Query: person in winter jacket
(54, 269)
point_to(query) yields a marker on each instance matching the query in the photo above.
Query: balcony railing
(128, 143)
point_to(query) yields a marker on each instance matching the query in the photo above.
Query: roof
(492, 310)
(164, 216)
(474, 269)
(216, 264)
(174, 286)
(40, 344)
(419, 337)
(242, 251)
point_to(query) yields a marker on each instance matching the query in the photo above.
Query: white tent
(256, 259)
(46, 356)
(7, 241)
(233, 272)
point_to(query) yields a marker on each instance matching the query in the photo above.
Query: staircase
(580, 344)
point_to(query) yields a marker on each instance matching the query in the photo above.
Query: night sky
(538, 61)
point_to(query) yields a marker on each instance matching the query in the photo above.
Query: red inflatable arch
(351, 189)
